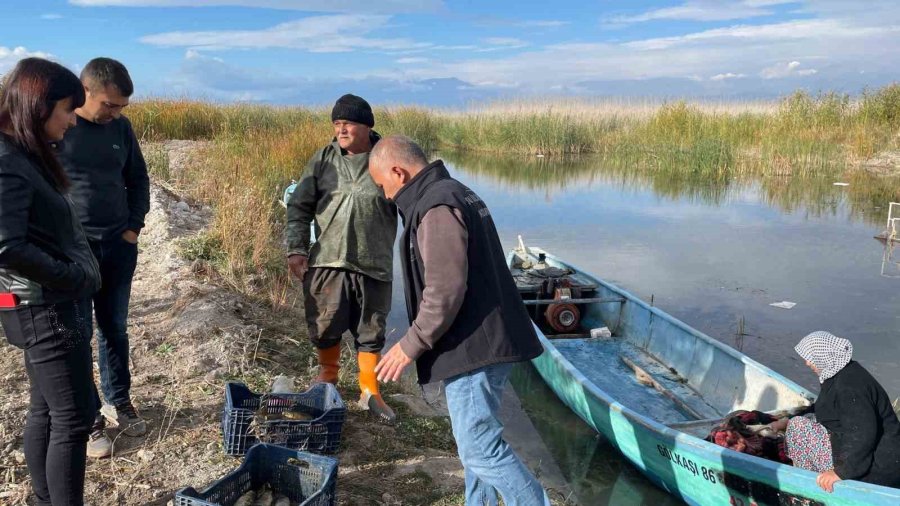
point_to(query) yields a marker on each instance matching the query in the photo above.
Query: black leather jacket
(45, 257)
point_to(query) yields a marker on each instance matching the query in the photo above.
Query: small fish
(296, 415)
(246, 499)
(263, 415)
(264, 497)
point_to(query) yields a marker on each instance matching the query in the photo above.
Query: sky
(452, 53)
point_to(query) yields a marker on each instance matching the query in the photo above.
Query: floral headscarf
(828, 352)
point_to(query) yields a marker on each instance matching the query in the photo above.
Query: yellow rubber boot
(369, 397)
(329, 364)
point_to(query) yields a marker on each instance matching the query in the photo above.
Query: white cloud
(213, 78)
(51, 16)
(504, 41)
(10, 56)
(463, 47)
(834, 47)
(192, 54)
(789, 69)
(789, 30)
(317, 34)
(704, 10)
(542, 23)
(349, 6)
(841, 47)
(411, 60)
(726, 76)
(501, 43)
(369, 6)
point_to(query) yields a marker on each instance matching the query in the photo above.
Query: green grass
(204, 247)
(165, 349)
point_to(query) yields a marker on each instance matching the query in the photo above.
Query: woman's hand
(827, 480)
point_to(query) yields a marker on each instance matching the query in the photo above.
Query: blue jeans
(118, 260)
(491, 465)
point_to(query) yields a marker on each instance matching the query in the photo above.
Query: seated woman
(855, 434)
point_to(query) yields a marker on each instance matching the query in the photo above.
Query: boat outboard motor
(563, 317)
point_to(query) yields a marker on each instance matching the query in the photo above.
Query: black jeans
(58, 362)
(118, 260)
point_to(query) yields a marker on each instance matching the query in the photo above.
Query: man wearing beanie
(347, 272)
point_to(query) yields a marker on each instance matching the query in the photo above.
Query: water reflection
(866, 195)
(714, 250)
(890, 261)
(596, 472)
(557, 175)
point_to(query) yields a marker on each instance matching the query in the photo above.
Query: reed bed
(256, 150)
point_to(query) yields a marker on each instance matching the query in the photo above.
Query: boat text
(688, 464)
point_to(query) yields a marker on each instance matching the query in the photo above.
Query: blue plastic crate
(321, 434)
(303, 477)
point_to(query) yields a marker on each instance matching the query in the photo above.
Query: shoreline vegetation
(252, 152)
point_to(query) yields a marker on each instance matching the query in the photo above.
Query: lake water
(711, 253)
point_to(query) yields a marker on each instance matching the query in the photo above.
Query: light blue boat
(657, 387)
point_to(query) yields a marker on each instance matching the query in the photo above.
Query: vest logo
(475, 202)
(115, 146)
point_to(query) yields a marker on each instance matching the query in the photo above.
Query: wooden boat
(657, 387)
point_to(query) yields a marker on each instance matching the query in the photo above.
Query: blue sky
(446, 52)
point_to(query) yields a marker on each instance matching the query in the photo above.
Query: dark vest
(492, 325)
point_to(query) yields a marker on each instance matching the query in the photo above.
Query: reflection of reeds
(814, 194)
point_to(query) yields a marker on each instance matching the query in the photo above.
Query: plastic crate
(321, 434)
(303, 477)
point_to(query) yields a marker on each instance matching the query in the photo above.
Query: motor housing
(563, 317)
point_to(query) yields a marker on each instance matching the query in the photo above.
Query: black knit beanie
(353, 108)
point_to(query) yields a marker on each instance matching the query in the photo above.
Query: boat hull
(699, 472)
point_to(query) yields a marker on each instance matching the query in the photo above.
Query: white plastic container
(601, 333)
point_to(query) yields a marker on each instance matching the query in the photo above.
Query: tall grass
(255, 150)
(803, 130)
(191, 120)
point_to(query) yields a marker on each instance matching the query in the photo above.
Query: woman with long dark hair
(46, 269)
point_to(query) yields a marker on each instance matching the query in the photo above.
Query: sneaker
(125, 417)
(99, 444)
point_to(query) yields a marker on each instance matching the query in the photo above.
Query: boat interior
(646, 360)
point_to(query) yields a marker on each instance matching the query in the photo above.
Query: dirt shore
(189, 334)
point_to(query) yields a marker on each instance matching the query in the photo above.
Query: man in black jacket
(111, 192)
(467, 322)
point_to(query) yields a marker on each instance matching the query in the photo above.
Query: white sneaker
(99, 445)
(125, 417)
